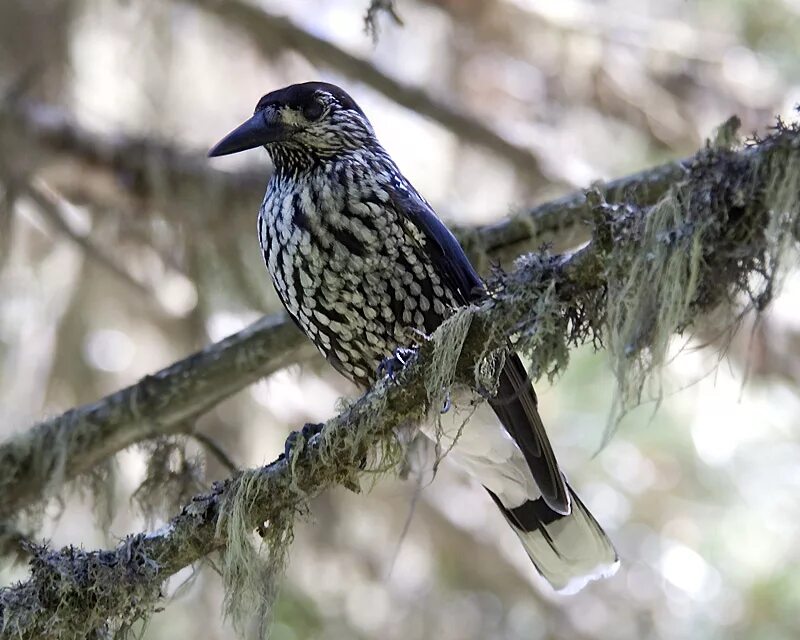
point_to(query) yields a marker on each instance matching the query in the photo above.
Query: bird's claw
(301, 437)
(391, 366)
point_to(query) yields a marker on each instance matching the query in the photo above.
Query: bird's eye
(313, 110)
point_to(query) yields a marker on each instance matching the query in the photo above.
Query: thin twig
(53, 132)
(372, 15)
(269, 33)
(143, 172)
(52, 210)
(215, 449)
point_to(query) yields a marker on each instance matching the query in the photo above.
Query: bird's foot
(301, 437)
(393, 365)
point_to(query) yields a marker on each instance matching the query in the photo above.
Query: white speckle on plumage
(359, 372)
(287, 211)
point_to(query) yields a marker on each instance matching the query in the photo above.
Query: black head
(308, 121)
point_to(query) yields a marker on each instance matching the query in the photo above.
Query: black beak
(264, 127)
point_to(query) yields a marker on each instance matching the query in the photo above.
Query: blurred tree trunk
(47, 24)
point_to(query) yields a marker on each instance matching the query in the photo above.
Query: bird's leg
(301, 436)
(392, 365)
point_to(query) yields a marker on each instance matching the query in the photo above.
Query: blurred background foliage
(122, 249)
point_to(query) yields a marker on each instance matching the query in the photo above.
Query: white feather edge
(577, 583)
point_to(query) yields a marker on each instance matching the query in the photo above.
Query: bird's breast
(351, 271)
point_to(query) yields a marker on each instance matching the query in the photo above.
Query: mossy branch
(567, 220)
(75, 442)
(715, 239)
(62, 447)
(36, 463)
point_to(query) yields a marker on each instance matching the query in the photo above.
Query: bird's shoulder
(441, 245)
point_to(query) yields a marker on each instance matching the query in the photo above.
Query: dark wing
(443, 248)
(515, 404)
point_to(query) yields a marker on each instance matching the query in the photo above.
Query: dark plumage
(364, 266)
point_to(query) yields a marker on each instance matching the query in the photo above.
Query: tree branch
(36, 462)
(51, 210)
(270, 33)
(146, 172)
(728, 221)
(83, 437)
(568, 218)
(155, 174)
(147, 409)
(141, 563)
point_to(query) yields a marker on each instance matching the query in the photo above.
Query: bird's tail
(567, 550)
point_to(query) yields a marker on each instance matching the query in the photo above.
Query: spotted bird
(364, 267)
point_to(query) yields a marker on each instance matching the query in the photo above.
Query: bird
(365, 267)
